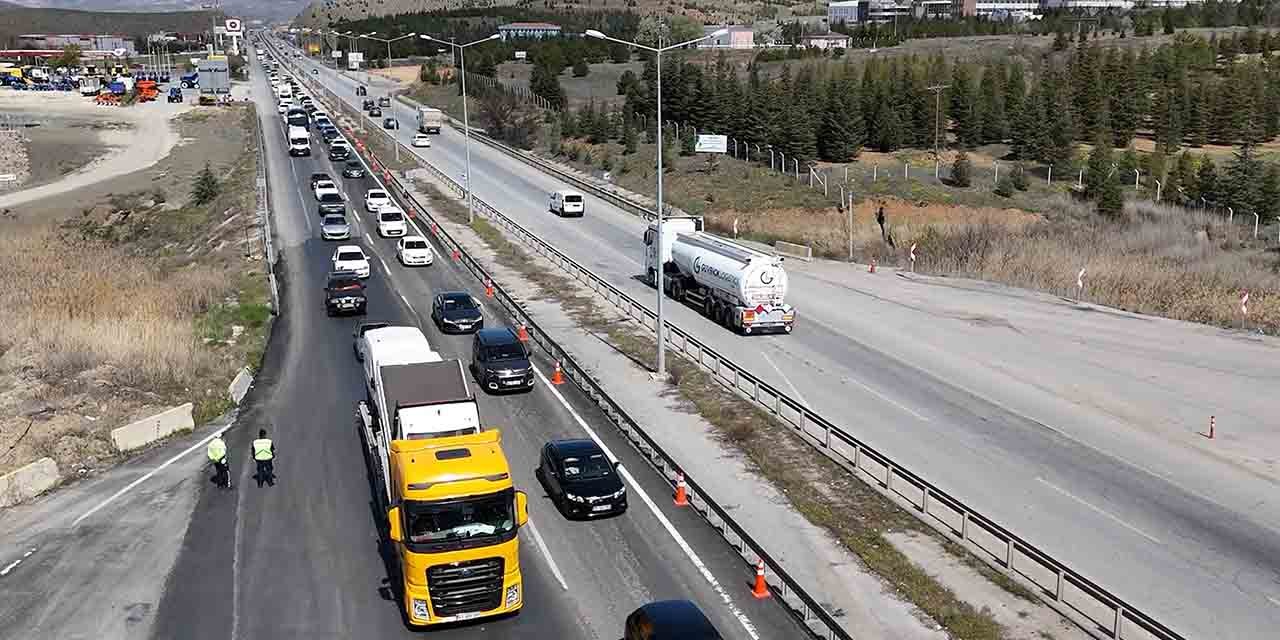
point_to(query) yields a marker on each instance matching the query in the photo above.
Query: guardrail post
(924, 501)
(827, 438)
(964, 525)
(1057, 591)
(1008, 554)
(888, 478)
(1115, 630)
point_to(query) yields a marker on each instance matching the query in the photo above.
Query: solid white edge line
(546, 553)
(5, 571)
(148, 475)
(662, 518)
(1100, 511)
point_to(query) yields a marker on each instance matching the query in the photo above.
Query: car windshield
(349, 256)
(353, 165)
(335, 220)
(330, 198)
(458, 302)
(460, 519)
(573, 199)
(377, 195)
(415, 244)
(391, 216)
(345, 284)
(505, 352)
(587, 467)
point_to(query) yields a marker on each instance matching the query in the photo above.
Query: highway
(1073, 425)
(306, 558)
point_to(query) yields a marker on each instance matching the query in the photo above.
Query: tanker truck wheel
(677, 291)
(651, 277)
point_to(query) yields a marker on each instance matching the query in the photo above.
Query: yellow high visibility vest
(217, 449)
(262, 449)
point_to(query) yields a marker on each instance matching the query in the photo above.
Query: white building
(985, 8)
(1123, 5)
(825, 41)
(738, 37)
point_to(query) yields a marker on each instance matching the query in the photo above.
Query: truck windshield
(458, 520)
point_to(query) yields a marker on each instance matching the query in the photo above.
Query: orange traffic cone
(488, 288)
(682, 497)
(558, 376)
(872, 267)
(523, 333)
(761, 589)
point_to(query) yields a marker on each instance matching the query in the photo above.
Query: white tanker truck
(736, 286)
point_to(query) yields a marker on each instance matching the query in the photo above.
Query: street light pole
(658, 275)
(459, 51)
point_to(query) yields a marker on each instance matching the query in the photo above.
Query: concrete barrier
(240, 386)
(28, 482)
(148, 430)
(801, 251)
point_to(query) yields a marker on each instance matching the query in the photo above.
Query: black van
(500, 362)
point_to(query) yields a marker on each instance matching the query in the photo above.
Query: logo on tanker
(766, 277)
(698, 267)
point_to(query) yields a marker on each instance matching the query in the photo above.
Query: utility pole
(937, 117)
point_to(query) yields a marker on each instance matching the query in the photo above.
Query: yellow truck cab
(454, 519)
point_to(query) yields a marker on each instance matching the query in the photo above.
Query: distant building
(84, 41)
(1123, 5)
(738, 38)
(868, 11)
(529, 30)
(825, 41)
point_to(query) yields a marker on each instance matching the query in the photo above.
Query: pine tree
(1243, 179)
(1099, 169)
(1269, 193)
(206, 186)
(1123, 104)
(625, 81)
(1059, 130)
(1086, 87)
(688, 142)
(628, 134)
(1207, 181)
(1110, 198)
(888, 130)
(836, 138)
(991, 99)
(1061, 41)
(1199, 114)
(1184, 176)
(1028, 129)
(967, 119)
(961, 169)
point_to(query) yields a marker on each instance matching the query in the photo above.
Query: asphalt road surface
(1075, 426)
(305, 558)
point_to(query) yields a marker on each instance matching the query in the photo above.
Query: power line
(937, 116)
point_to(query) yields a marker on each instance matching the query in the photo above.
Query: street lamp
(658, 277)
(466, 122)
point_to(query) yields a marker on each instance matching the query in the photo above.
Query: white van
(567, 203)
(299, 142)
(391, 221)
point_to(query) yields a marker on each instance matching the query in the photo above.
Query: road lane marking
(386, 268)
(1115, 518)
(653, 507)
(408, 304)
(203, 441)
(546, 553)
(10, 567)
(785, 378)
(887, 399)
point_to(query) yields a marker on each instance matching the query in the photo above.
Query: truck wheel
(677, 291)
(708, 308)
(651, 277)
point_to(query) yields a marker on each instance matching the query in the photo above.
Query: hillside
(326, 12)
(248, 9)
(19, 20)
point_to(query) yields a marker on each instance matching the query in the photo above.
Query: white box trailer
(430, 119)
(414, 391)
(734, 285)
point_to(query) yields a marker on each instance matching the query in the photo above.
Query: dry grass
(132, 304)
(1160, 260)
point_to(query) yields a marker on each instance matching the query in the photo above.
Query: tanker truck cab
(731, 284)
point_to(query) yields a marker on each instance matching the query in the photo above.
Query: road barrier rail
(1097, 610)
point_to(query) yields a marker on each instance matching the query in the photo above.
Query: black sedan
(456, 312)
(317, 177)
(353, 170)
(375, 112)
(390, 123)
(580, 479)
(339, 153)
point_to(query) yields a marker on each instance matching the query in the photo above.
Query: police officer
(218, 456)
(264, 452)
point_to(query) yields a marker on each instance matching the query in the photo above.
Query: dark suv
(344, 293)
(669, 619)
(500, 362)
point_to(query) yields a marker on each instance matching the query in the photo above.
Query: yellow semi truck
(453, 512)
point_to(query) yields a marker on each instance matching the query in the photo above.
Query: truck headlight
(420, 609)
(513, 595)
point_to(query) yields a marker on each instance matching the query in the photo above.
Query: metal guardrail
(264, 216)
(1099, 611)
(797, 601)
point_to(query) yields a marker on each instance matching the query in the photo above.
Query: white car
(284, 107)
(391, 222)
(317, 115)
(421, 140)
(325, 186)
(350, 257)
(414, 251)
(375, 199)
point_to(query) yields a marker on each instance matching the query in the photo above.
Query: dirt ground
(404, 74)
(116, 308)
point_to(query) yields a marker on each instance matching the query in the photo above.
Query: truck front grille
(465, 587)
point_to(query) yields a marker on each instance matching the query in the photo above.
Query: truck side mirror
(393, 525)
(522, 508)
